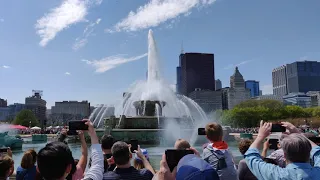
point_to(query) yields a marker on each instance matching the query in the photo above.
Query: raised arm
(257, 166)
(84, 152)
(97, 167)
(145, 161)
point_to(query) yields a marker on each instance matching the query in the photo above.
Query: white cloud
(111, 62)
(6, 67)
(83, 40)
(67, 73)
(230, 66)
(267, 89)
(68, 13)
(156, 12)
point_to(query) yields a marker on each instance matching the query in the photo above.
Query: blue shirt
(26, 174)
(296, 171)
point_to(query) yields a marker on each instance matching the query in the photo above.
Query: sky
(95, 49)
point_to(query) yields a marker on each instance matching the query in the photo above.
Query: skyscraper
(254, 87)
(195, 71)
(303, 76)
(237, 92)
(218, 84)
(38, 106)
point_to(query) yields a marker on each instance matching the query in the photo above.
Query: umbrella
(50, 127)
(36, 128)
(17, 127)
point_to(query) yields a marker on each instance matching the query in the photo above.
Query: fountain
(151, 111)
(9, 141)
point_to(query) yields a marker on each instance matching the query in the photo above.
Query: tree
(24, 118)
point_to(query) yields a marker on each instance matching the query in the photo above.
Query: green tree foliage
(249, 113)
(24, 117)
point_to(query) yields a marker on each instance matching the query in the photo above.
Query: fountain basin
(10, 141)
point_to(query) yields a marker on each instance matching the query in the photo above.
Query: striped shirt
(128, 174)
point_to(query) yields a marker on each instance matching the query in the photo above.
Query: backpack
(222, 164)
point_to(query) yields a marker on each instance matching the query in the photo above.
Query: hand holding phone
(78, 125)
(173, 157)
(4, 150)
(273, 144)
(134, 145)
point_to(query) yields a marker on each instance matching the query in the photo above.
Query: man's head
(296, 148)
(107, 142)
(55, 161)
(182, 144)
(244, 145)
(6, 166)
(121, 153)
(214, 132)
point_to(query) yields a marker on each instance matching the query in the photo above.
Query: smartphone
(3, 150)
(173, 156)
(134, 145)
(273, 144)
(278, 128)
(78, 125)
(72, 133)
(316, 140)
(201, 131)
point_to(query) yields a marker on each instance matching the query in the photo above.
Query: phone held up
(277, 127)
(134, 145)
(273, 144)
(78, 125)
(173, 156)
(4, 150)
(201, 131)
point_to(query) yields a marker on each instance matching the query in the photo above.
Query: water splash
(156, 89)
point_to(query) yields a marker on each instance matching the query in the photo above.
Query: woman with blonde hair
(27, 169)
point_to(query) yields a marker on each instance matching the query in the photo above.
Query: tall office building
(237, 92)
(303, 76)
(218, 84)
(38, 106)
(195, 71)
(300, 76)
(253, 86)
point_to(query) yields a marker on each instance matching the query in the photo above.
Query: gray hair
(296, 148)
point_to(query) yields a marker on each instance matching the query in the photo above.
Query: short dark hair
(182, 144)
(244, 145)
(54, 159)
(107, 141)
(6, 163)
(214, 132)
(120, 152)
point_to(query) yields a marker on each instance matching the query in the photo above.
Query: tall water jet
(153, 59)
(150, 111)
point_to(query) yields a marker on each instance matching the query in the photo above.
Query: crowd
(296, 157)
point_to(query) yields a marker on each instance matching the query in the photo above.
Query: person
(27, 169)
(217, 154)
(107, 142)
(121, 156)
(55, 160)
(82, 162)
(137, 162)
(277, 156)
(243, 170)
(6, 165)
(297, 151)
(190, 167)
(181, 144)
